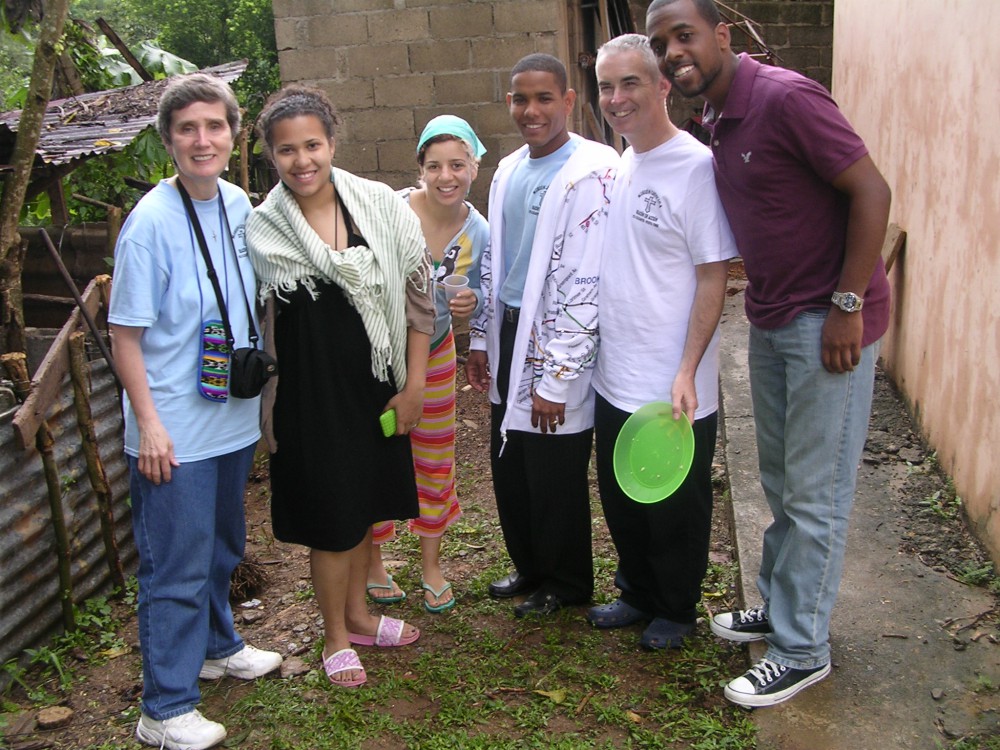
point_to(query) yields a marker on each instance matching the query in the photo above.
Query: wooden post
(47, 382)
(895, 241)
(12, 299)
(79, 373)
(16, 364)
(244, 144)
(114, 228)
(22, 160)
(57, 205)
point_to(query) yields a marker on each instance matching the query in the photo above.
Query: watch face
(847, 301)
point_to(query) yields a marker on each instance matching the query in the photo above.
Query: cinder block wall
(800, 32)
(392, 65)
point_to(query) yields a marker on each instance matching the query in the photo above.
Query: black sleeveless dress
(334, 473)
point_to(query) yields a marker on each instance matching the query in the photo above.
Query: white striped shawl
(286, 251)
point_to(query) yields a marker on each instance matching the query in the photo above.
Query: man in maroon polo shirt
(808, 209)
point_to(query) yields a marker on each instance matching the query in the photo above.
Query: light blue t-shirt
(522, 202)
(161, 284)
(460, 256)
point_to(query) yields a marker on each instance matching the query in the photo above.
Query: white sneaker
(247, 664)
(190, 731)
(743, 625)
(768, 683)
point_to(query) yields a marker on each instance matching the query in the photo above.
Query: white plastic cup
(453, 284)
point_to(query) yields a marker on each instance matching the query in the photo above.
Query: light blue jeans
(811, 430)
(190, 533)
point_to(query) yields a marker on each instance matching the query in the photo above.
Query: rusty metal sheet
(29, 579)
(101, 122)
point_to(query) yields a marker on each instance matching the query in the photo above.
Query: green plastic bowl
(653, 453)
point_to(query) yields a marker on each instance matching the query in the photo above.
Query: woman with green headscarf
(448, 154)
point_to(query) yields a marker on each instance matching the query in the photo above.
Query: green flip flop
(437, 608)
(386, 586)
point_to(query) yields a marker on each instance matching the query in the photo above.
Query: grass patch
(480, 679)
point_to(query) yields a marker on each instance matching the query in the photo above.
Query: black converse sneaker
(743, 626)
(768, 684)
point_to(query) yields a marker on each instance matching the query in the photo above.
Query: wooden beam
(895, 241)
(44, 177)
(594, 123)
(57, 204)
(126, 52)
(48, 379)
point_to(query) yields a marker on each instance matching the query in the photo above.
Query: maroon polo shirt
(778, 144)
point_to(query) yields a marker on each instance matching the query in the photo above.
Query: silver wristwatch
(847, 301)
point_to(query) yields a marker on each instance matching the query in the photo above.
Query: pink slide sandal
(345, 660)
(388, 635)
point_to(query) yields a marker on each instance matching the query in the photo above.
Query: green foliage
(197, 34)
(103, 179)
(220, 32)
(985, 685)
(130, 26)
(96, 639)
(37, 211)
(203, 33)
(15, 68)
(51, 659)
(161, 63)
(98, 63)
(977, 575)
(252, 33)
(104, 67)
(17, 676)
(944, 503)
(977, 743)
(82, 48)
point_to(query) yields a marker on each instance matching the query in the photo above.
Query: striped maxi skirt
(433, 443)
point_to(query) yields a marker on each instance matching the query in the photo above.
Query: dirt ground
(104, 699)
(936, 532)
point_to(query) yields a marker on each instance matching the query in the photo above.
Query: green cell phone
(388, 421)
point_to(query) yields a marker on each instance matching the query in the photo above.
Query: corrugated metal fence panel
(29, 580)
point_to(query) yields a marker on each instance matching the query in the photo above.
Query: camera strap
(212, 275)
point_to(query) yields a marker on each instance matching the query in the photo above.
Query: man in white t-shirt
(662, 287)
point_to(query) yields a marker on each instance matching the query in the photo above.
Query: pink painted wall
(920, 83)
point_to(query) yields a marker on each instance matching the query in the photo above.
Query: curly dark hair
(296, 100)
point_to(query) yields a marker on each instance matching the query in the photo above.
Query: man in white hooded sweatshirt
(537, 334)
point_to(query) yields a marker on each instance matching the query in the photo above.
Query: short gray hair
(183, 91)
(632, 43)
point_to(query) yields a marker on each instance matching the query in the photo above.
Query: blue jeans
(190, 533)
(811, 428)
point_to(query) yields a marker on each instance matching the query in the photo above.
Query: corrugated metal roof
(29, 581)
(100, 122)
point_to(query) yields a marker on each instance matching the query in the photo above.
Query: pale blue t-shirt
(522, 202)
(161, 284)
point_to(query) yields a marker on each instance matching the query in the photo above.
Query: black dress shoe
(538, 604)
(513, 585)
